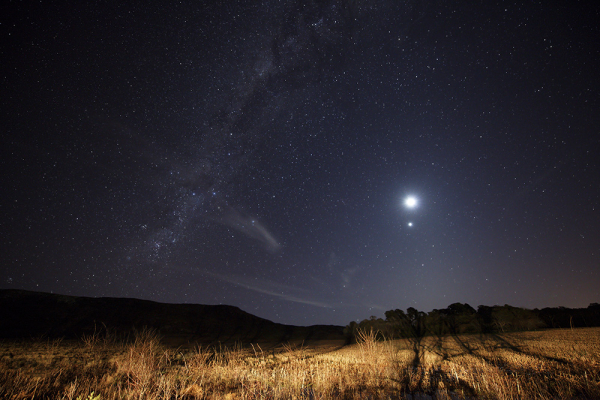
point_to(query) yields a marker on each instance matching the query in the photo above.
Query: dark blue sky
(258, 154)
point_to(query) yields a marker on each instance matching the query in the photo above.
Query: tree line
(461, 318)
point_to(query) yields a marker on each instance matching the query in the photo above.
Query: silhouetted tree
(460, 318)
(485, 319)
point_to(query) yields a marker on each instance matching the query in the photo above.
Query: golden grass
(543, 365)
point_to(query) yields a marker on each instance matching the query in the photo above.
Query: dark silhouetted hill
(25, 314)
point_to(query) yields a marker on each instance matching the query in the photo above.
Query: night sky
(261, 154)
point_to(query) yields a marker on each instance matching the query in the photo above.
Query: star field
(311, 162)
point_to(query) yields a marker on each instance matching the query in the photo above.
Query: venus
(410, 202)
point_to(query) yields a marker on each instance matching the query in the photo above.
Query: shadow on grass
(512, 359)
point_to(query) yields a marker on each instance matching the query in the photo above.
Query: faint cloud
(250, 227)
(271, 288)
(347, 276)
(332, 262)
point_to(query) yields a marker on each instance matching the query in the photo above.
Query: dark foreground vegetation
(462, 318)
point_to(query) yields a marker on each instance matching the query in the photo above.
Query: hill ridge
(26, 314)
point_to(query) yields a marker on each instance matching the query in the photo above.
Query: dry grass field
(531, 365)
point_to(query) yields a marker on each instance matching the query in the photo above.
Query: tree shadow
(477, 345)
(501, 342)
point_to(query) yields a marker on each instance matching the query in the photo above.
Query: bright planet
(410, 202)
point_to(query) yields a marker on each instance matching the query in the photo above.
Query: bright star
(410, 202)
(410, 224)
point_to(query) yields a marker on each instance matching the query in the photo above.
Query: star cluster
(307, 161)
